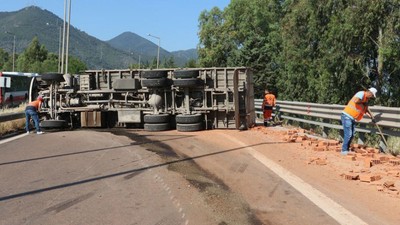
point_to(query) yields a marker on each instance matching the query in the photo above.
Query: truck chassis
(186, 99)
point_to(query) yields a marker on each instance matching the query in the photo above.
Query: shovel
(387, 150)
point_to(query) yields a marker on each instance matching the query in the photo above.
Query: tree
(215, 43)
(37, 59)
(191, 64)
(169, 63)
(4, 59)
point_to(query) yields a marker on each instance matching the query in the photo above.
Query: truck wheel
(53, 124)
(188, 119)
(186, 73)
(153, 74)
(189, 127)
(58, 77)
(159, 118)
(159, 82)
(156, 126)
(189, 82)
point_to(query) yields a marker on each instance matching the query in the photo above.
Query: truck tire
(58, 77)
(189, 127)
(186, 73)
(53, 124)
(156, 126)
(189, 82)
(159, 82)
(154, 74)
(189, 119)
(158, 118)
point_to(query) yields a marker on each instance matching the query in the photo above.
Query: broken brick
(320, 148)
(322, 143)
(394, 162)
(361, 151)
(333, 142)
(367, 177)
(321, 162)
(367, 162)
(388, 184)
(384, 159)
(375, 161)
(393, 173)
(350, 176)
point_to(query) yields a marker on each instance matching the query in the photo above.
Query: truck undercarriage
(156, 100)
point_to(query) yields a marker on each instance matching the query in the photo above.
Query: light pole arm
(158, 50)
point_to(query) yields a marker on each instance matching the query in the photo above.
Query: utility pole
(65, 38)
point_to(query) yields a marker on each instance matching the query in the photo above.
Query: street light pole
(158, 51)
(14, 54)
(13, 50)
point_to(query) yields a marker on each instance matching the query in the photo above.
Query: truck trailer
(156, 100)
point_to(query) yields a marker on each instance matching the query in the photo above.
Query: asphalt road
(127, 176)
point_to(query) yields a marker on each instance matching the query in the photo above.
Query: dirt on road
(376, 200)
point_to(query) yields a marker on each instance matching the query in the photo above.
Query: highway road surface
(127, 176)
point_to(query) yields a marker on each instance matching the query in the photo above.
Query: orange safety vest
(269, 99)
(35, 104)
(357, 111)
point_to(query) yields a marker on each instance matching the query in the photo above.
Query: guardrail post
(361, 138)
(382, 146)
(325, 130)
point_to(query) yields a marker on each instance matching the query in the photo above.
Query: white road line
(13, 138)
(332, 208)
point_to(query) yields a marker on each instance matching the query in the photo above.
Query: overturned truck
(156, 100)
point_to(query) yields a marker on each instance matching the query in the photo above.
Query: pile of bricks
(300, 135)
(361, 154)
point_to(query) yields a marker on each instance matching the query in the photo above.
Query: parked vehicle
(14, 87)
(185, 99)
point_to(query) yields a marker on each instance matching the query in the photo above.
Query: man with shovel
(354, 111)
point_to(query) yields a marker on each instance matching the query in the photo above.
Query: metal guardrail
(11, 116)
(323, 114)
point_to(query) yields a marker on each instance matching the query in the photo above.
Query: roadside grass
(13, 125)
(394, 144)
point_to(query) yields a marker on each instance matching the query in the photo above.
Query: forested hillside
(307, 50)
(31, 22)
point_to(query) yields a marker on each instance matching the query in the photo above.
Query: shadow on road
(85, 152)
(138, 170)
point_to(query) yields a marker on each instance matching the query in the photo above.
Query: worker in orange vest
(267, 106)
(354, 111)
(31, 111)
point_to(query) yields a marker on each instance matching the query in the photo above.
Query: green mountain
(137, 45)
(33, 21)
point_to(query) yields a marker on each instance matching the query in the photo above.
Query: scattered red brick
(320, 148)
(388, 184)
(369, 177)
(375, 162)
(350, 176)
(367, 162)
(384, 158)
(395, 162)
(321, 162)
(371, 157)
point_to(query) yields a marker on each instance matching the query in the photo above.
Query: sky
(174, 22)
